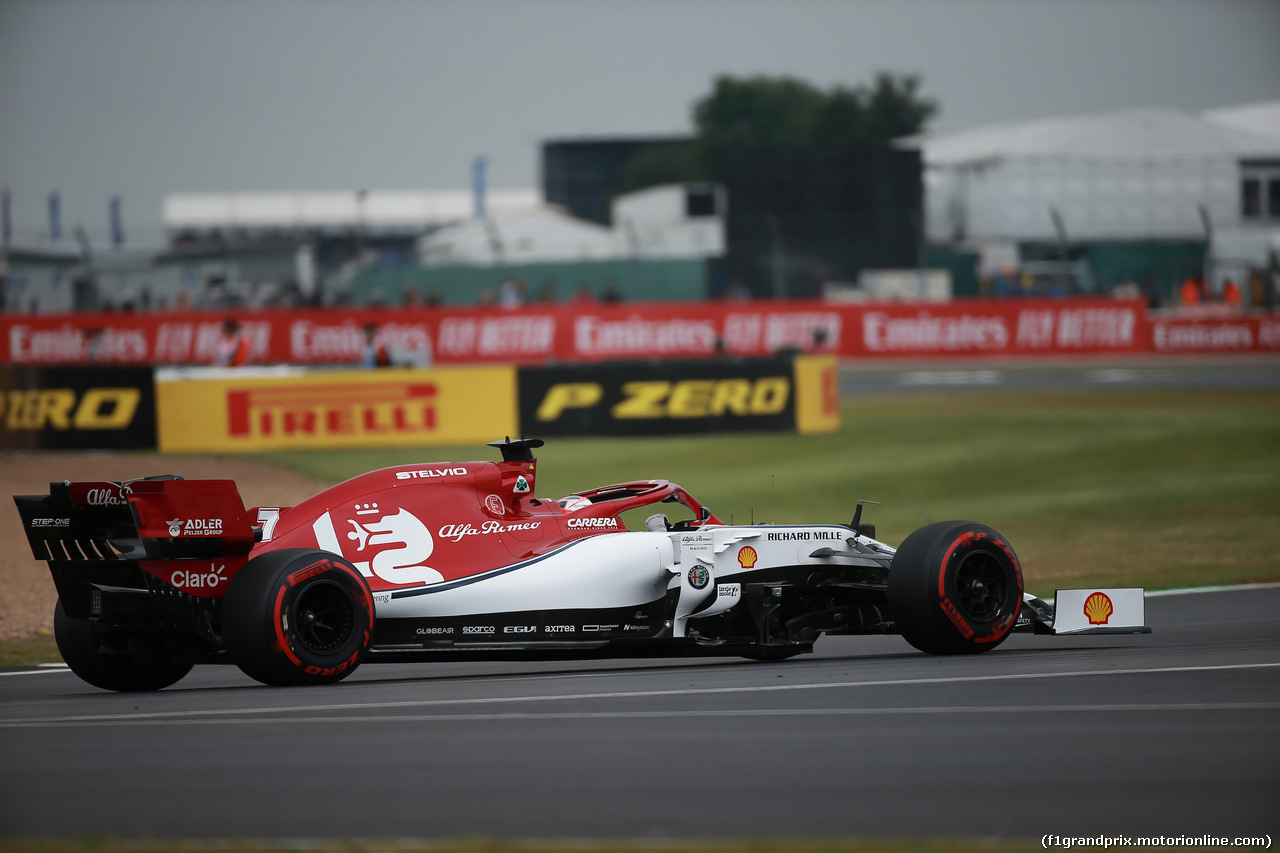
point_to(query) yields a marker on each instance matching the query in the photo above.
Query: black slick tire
(297, 616)
(115, 658)
(955, 587)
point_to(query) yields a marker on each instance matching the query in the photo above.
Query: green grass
(31, 651)
(1158, 488)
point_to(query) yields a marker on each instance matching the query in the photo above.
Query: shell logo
(747, 557)
(1098, 608)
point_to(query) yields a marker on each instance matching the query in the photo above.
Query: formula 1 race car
(462, 561)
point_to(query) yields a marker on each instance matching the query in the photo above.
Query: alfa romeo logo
(699, 577)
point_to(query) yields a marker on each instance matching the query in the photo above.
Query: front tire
(116, 658)
(955, 587)
(297, 616)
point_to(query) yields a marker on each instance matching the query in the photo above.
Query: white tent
(530, 236)
(373, 211)
(1130, 175)
(1262, 118)
(1138, 133)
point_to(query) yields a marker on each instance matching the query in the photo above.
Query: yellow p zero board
(249, 410)
(817, 394)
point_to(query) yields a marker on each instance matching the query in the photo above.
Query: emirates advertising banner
(599, 333)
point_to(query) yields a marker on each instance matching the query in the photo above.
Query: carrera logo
(62, 409)
(381, 408)
(594, 523)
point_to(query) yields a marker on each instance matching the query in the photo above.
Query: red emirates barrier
(577, 333)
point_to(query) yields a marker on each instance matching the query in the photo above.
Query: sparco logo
(105, 497)
(593, 522)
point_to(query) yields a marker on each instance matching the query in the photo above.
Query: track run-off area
(1172, 733)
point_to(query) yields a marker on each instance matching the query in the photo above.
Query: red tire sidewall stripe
(950, 610)
(279, 615)
(360, 594)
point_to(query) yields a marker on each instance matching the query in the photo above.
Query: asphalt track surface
(1172, 733)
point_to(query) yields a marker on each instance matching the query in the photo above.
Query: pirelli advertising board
(77, 408)
(668, 397)
(250, 410)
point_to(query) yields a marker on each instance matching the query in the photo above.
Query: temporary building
(1131, 175)
(535, 235)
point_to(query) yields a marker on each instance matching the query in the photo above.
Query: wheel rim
(324, 615)
(981, 586)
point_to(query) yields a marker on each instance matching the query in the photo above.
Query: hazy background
(145, 97)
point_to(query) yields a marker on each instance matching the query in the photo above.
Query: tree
(895, 109)
(781, 113)
(786, 113)
(660, 164)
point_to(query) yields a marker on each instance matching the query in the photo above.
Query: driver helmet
(573, 503)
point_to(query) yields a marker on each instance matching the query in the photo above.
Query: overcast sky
(148, 97)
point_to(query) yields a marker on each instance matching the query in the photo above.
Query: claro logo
(688, 398)
(63, 409)
(381, 408)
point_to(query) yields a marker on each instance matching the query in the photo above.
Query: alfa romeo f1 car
(463, 561)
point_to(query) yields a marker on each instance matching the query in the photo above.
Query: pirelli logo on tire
(645, 398)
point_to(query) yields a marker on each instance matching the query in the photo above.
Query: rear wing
(156, 518)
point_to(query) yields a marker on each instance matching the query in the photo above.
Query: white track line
(229, 713)
(44, 667)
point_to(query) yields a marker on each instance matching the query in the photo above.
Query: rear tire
(297, 616)
(116, 658)
(955, 587)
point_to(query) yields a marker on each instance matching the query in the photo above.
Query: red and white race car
(462, 560)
